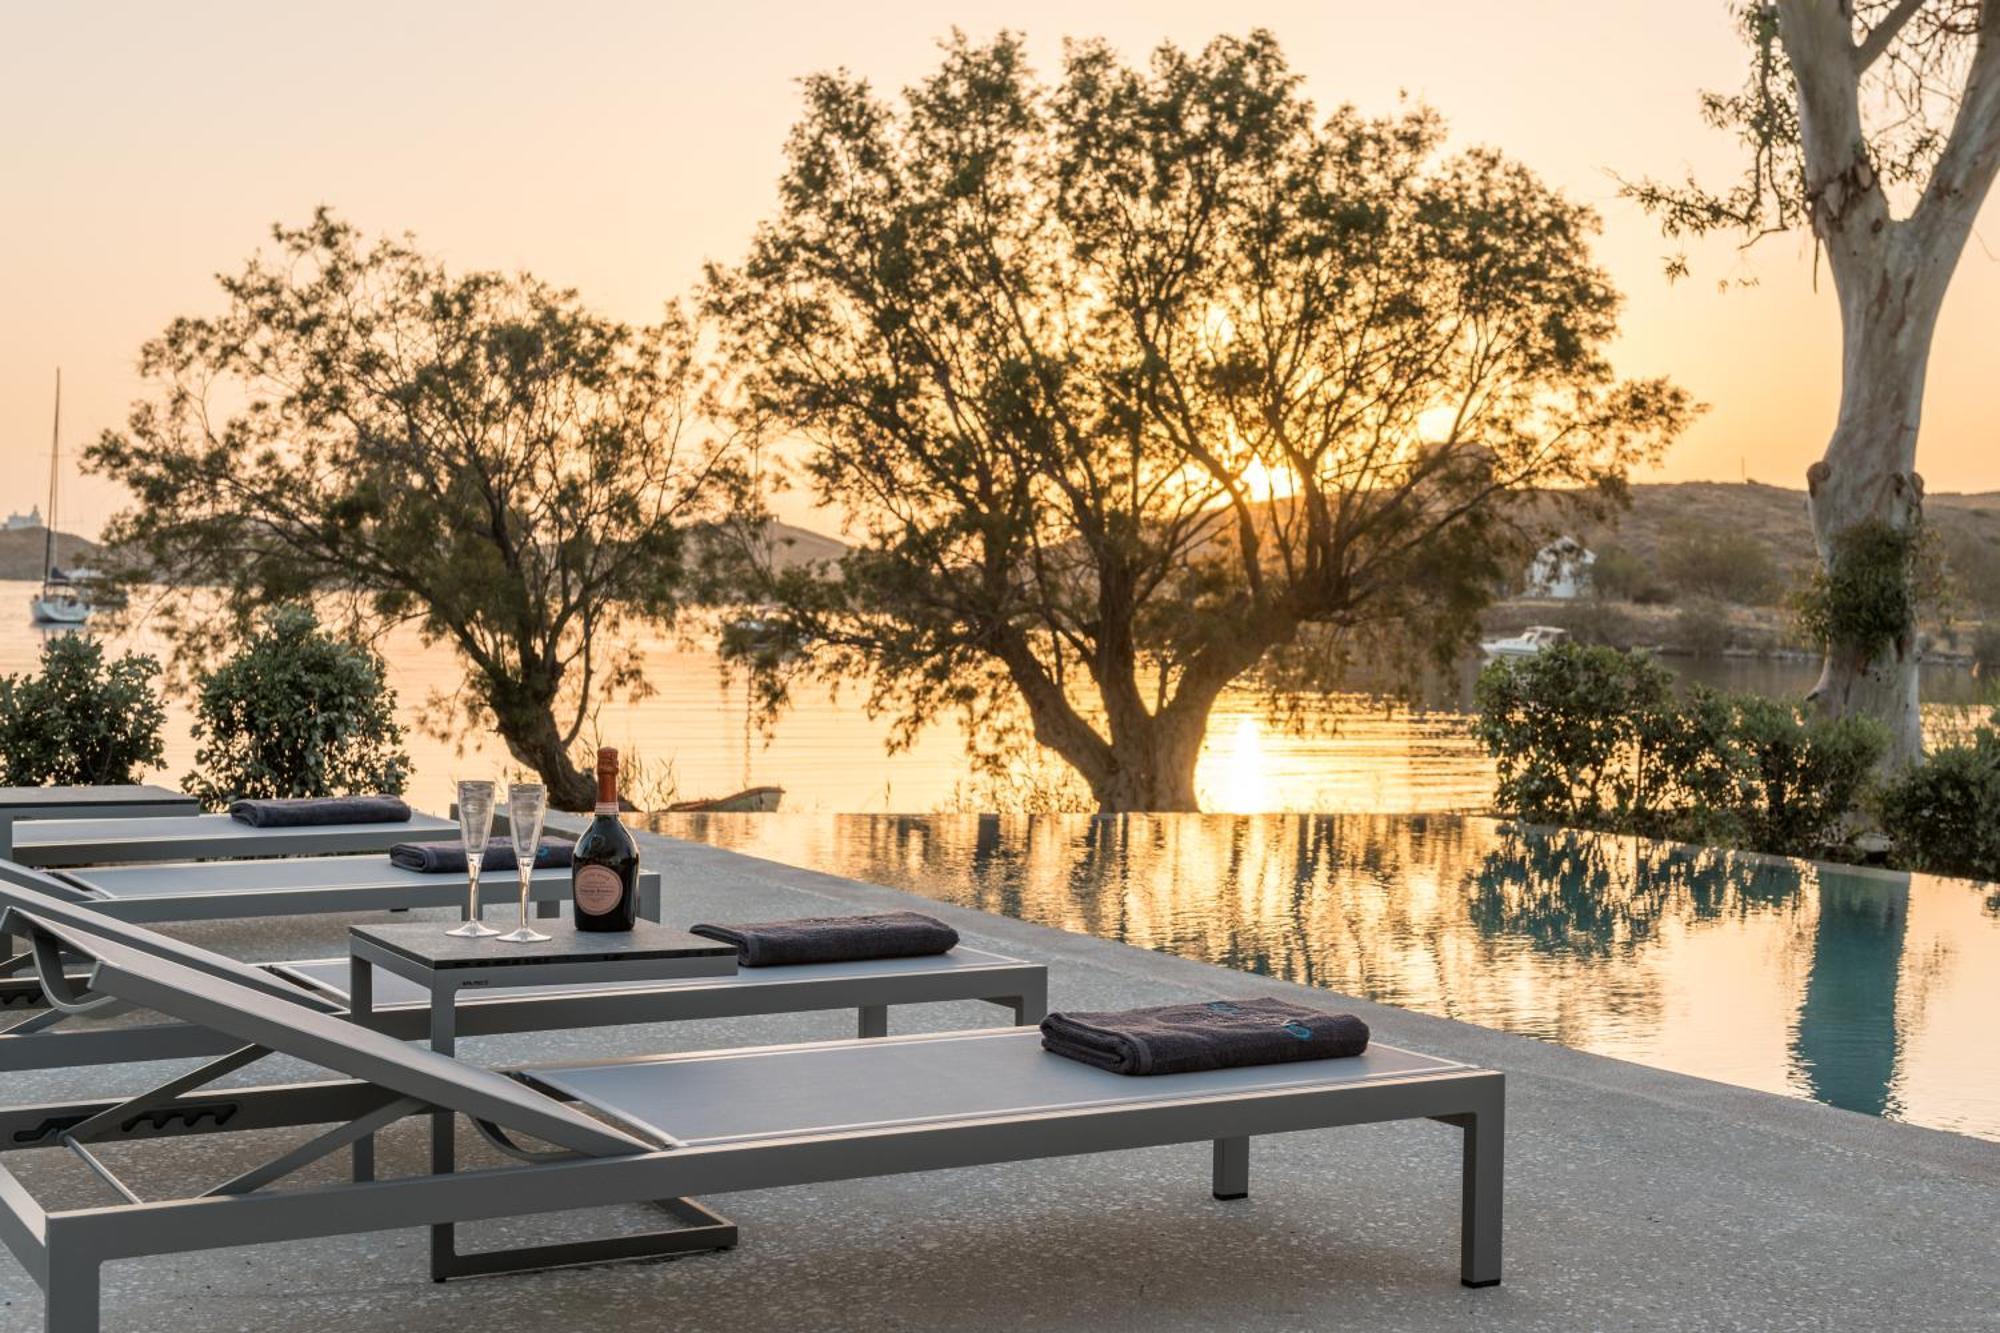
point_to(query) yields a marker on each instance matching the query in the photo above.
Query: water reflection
(1863, 990)
(1847, 1040)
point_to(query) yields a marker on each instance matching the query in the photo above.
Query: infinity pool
(1866, 990)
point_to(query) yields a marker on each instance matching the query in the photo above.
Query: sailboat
(61, 601)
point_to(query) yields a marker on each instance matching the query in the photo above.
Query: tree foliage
(1594, 738)
(1903, 103)
(477, 454)
(296, 712)
(83, 721)
(1945, 812)
(1129, 377)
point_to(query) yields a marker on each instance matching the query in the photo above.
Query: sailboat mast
(49, 519)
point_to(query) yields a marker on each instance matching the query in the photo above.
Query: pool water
(1863, 989)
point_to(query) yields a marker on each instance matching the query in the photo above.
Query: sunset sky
(615, 146)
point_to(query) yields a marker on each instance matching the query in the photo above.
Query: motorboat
(1527, 643)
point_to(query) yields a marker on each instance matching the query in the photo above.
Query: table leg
(361, 1009)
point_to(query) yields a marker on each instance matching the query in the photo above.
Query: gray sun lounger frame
(130, 801)
(594, 1164)
(35, 1036)
(49, 843)
(290, 886)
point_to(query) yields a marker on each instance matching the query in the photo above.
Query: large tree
(1131, 381)
(1876, 123)
(476, 454)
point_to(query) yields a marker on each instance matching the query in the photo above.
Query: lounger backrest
(49, 899)
(224, 1005)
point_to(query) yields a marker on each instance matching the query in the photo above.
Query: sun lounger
(655, 1129)
(106, 841)
(36, 1036)
(211, 890)
(120, 801)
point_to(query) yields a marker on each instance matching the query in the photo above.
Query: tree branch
(1883, 34)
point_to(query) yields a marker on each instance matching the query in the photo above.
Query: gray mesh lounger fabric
(177, 879)
(210, 890)
(852, 1086)
(329, 976)
(49, 900)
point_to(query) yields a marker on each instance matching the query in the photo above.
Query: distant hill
(801, 546)
(21, 552)
(1967, 524)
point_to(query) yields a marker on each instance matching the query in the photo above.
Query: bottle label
(608, 808)
(598, 889)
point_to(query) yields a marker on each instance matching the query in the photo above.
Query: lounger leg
(702, 1231)
(1479, 1220)
(874, 1021)
(444, 1127)
(361, 1008)
(1232, 1169)
(70, 1294)
(546, 908)
(1032, 1006)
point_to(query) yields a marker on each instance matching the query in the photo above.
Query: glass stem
(527, 874)
(471, 888)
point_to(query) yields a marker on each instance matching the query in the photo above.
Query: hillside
(21, 552)
(1968, 526)
(801, 546)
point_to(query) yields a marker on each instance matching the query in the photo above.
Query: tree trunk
(1888, 313)
(1152, 770)
(532, 737)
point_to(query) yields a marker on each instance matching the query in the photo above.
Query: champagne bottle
(604, 877)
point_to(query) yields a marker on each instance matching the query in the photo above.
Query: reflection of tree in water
(1848, 1041)
(1590, 895)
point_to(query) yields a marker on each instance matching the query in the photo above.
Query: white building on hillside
(1561, 570)
(31, 519)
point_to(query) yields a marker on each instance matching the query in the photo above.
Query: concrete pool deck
(1636, 1198)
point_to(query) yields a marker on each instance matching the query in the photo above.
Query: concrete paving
(1636, 1198)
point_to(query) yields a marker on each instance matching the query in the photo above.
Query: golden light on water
(1241, 780)
(1859, 988)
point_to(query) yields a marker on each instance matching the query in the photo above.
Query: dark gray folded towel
(1187, 1038)
(448, 858)
(834, 939)
(299, 812)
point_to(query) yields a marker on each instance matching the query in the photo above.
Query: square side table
(444, 965)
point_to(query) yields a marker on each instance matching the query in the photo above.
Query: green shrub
(297, 712)
(1973, 562)
(1945, 812)
(1804, 774)
(82, 721)
(1722, 564)
(1986, 645)
(1620, 575)
(1585, 734)
(1595, 738)
(1878, 581)
(1702, 627)
(1592, 622)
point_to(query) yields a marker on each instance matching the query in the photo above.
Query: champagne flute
(527, 806)
(475, 825)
